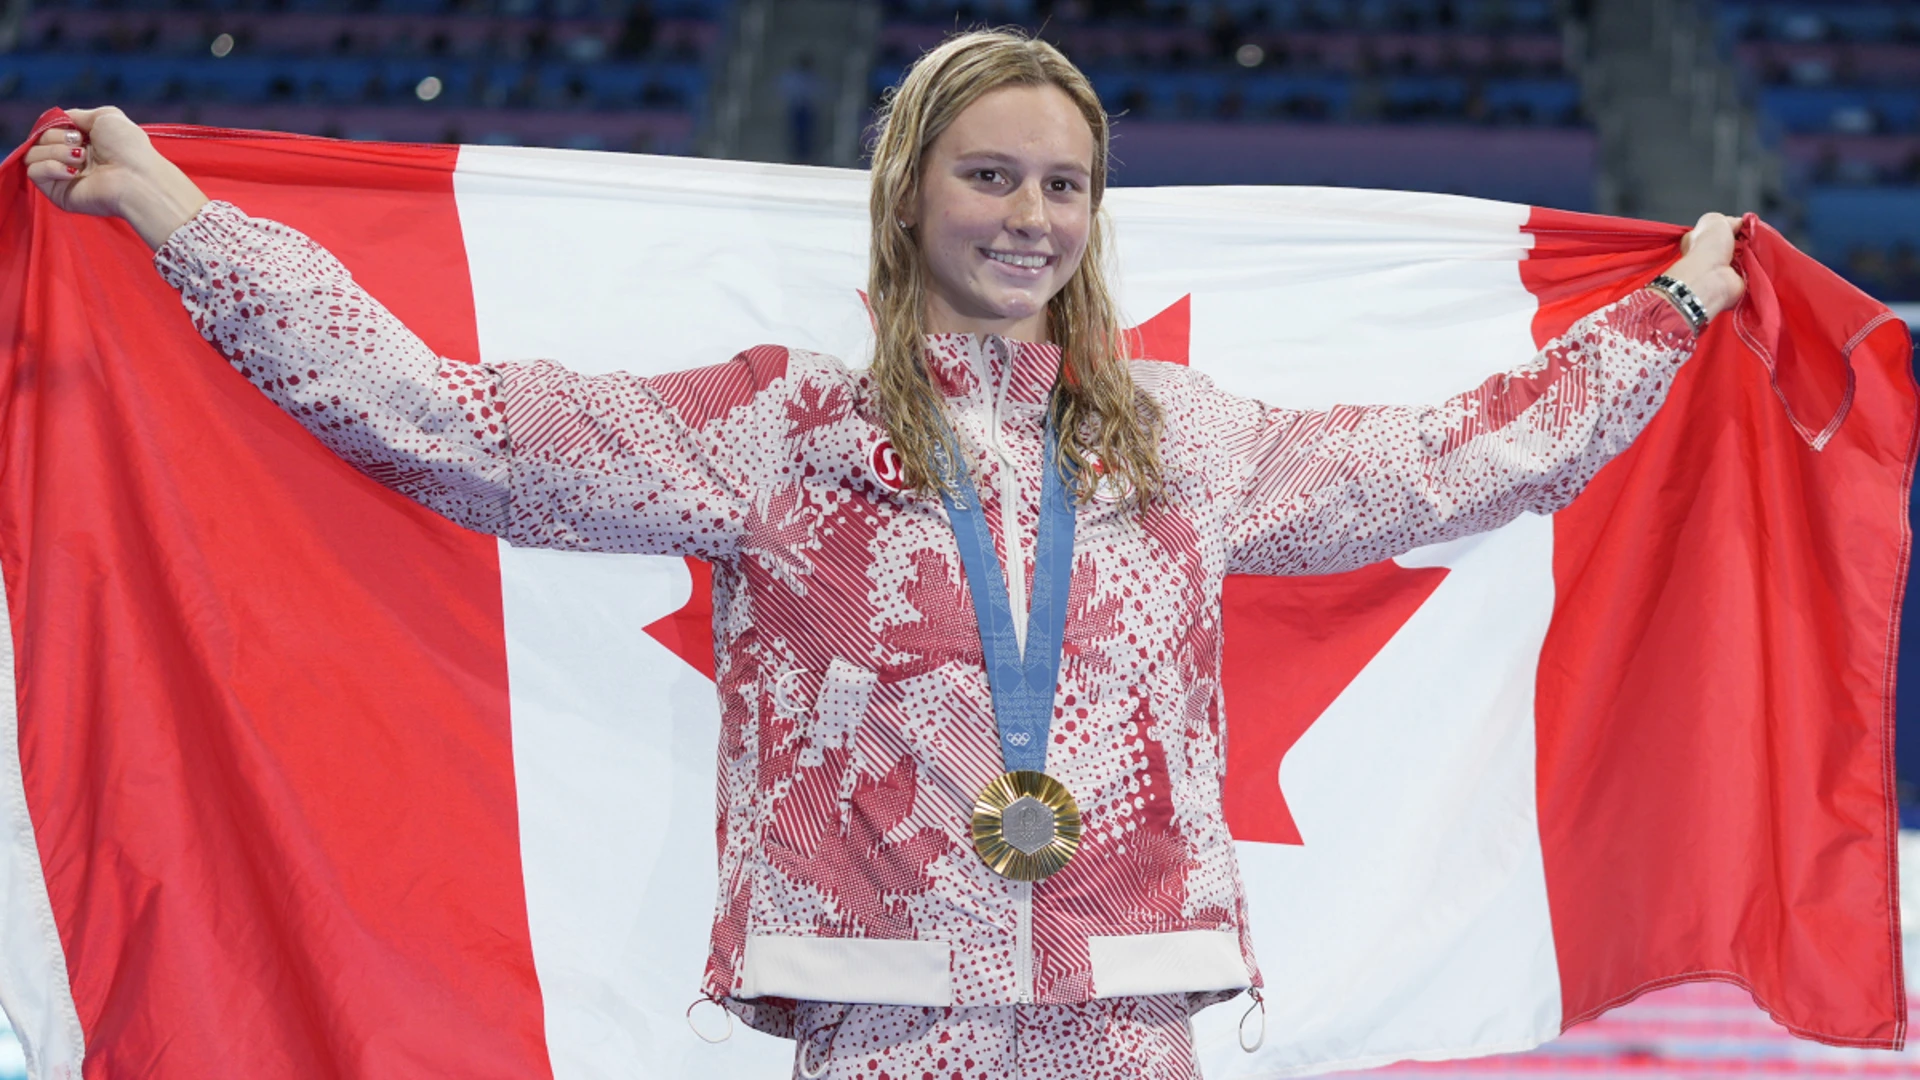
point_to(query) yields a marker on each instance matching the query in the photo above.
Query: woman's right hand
(110, 168)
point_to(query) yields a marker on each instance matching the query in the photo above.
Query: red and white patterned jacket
(857, 720)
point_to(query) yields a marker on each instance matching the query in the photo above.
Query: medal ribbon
(1022, 683)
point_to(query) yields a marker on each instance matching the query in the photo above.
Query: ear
(906, 209)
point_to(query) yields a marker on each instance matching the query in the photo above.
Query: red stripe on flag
(263, 701)
(1715, 692)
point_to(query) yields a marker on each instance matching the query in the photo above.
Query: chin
(1019, 307)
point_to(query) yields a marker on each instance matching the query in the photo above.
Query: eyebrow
(1009, 159)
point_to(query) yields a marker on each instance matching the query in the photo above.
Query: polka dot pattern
(290, 319)
(1140, 1038)
(856, 720)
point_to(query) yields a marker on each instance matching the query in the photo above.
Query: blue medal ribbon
(1022, 683)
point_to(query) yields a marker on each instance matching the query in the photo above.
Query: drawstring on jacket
(724, 1011)
(804, 1042)
(1261, 1004)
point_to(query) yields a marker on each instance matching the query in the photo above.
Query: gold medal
(1025, 825)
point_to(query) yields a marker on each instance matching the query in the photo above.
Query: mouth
(1032, 262)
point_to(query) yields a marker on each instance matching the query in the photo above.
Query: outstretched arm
(1325, 491)
(292, 320)
(532, 452)
(106, 166)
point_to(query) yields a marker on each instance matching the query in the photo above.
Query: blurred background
(1806, 111)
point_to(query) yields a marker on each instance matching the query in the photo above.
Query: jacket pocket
(838, 713)
(809, 757)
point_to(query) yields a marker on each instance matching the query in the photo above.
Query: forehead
(1036, 124)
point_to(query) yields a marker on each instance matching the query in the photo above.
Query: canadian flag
(305, 781)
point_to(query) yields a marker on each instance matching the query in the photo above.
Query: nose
(1028, 215)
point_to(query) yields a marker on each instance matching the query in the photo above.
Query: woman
(949, 845)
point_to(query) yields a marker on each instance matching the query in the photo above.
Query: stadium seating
(1477, 93)
(1236, 91)
(1838, 86)
(597, 74)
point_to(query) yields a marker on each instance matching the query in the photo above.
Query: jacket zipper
(1009, 514)
(1023, 943)
(1016, 577)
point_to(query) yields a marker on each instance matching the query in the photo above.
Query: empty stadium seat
(1838, 87)
(366, 68)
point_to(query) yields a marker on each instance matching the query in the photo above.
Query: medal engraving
(1028, 823)
(1025, 825)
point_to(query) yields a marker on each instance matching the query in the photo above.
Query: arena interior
(1805, 111)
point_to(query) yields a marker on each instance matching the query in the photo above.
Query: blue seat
(626, 85)
(1299, 97)
(1804, 21)
(42, 75)
(1547, 101)
(1817, 108)
(1413, 95)
(1839, 219)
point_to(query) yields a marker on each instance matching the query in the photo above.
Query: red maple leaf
(866, 875)
(1090, 621)
(688, 632)
(814, 407)
(1292, 645)
(1163, 337)
(933, 592)
(781, 534)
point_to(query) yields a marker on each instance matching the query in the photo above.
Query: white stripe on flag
(599, 261)
(1413, 923)
(1414, 920)
(34, 989)
(613, 757)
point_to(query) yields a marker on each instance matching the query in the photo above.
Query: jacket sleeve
(1317, 492)
(613, 466)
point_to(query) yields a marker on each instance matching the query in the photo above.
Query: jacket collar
(975, 366)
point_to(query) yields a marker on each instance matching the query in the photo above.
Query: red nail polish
(71, 169)
(76, 151)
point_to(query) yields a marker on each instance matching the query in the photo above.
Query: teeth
(1031, 262)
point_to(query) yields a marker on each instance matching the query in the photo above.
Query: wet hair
(1101, 415)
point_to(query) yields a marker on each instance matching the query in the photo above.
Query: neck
(941, 318)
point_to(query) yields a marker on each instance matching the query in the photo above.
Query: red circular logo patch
(1107, 488)
(886, 465)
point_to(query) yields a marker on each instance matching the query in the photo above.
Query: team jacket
(857, 723)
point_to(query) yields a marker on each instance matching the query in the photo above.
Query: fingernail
(76, 151)
(71, 169)
(73, 138)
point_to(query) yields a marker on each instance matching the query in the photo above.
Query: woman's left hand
(1706, 263)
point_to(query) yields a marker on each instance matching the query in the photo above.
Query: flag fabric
(306, 781)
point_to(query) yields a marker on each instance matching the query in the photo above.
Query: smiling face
(1003, 211)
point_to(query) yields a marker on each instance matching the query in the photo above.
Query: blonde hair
(1098, 411)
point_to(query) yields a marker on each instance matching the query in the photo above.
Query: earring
(902, 222)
